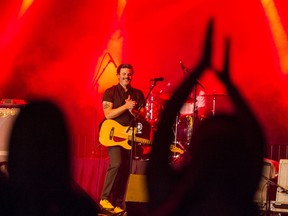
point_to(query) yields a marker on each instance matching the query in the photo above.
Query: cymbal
(167, 96)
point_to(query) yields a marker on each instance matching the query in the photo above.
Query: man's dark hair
(124, 66)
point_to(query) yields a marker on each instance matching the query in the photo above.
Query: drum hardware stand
(189, 129)
(133, 121)
(195, 109)
(214, 104)
(175, 142)
(175, 134)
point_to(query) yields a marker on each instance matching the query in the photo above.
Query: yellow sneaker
(118, 210)
(106, 204)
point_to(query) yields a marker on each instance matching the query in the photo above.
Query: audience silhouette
(226, 155)
(39, 166)
(5, 204)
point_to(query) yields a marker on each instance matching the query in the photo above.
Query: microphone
(112, 60)
(183, 67)
(157, 79)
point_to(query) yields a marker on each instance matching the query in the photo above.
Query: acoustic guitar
(114, 134)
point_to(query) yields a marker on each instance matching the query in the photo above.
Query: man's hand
(130, 104)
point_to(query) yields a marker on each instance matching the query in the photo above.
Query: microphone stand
(133, 121)
(96, 85)
(97, 77)
(195, 109)
(186, 71)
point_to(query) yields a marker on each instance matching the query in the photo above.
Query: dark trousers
(117, 175)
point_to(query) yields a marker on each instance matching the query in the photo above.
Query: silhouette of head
(39, 147)
(225, 157)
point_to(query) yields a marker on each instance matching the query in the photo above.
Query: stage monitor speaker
(283, 182)
(137, 189)
(137, 195)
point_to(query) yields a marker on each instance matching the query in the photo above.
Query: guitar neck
(140, 140)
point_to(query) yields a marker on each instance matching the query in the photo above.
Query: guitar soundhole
(111, 133)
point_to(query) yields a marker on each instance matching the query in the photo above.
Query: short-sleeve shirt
(117, 95)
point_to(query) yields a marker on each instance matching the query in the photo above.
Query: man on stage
(120, 103)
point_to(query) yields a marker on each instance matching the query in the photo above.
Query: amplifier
(7, 118)
(282, 197)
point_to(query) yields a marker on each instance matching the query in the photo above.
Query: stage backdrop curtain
(90, 173)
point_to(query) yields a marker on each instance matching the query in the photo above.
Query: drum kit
(185, 120)
(182, 127)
